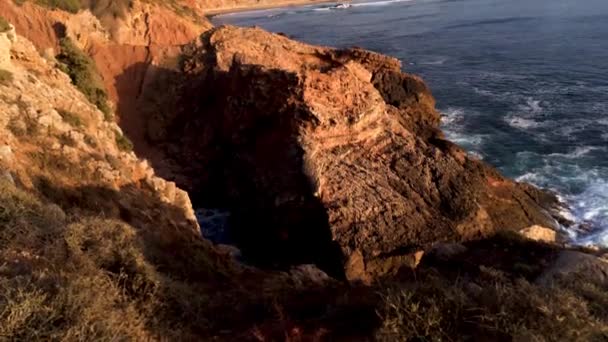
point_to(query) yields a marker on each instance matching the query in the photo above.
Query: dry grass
(71, 118)
(80, 278)
(56, 282)
(67, 273)
(492, 307)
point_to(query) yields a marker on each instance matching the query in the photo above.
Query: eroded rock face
(328, 156)
(54, 142)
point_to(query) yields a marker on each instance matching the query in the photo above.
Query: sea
(522, 84)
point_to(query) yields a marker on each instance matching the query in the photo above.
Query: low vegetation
(69, 274)
(83, 72)
(6, 77)
(4, 24)
(492, 308)
(123, 143)
(109, 9)
(71, 118)
(55, 281)
(72, 6)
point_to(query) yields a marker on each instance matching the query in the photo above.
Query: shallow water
(522, 84)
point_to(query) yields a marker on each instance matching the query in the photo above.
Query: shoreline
(247, 8)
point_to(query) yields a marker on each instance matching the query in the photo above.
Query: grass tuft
(6, 77)
(72, 6)
(70, 118)
(123, 143)
(4, 24)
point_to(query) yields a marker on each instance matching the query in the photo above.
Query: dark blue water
(523, 84)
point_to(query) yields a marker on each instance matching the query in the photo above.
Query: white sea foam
(521, 123)
(452, 116)
(453, 119)
(476, 155)
(378, 3)
(360, 4)
(436, 61)
(578, 152)
(532, 106)
(469, 141)
(587, 206)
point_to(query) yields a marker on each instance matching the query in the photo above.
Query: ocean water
(522, 84)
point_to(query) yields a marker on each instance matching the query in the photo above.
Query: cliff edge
(356, 219)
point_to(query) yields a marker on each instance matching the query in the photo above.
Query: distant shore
(255, 7)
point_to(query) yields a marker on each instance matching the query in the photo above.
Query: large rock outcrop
(327, 156)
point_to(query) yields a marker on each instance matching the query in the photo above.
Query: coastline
(210, 13)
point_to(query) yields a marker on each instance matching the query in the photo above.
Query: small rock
(229, 250)
(49, 55)
(446, 251)
(304, 275)
(355, 268)
(576, 266)
(6, 176)
(539, 233)
(6, 154)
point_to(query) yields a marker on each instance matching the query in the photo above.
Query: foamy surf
(521, 123)
(360, 4)
(378, 3)
(583, 191)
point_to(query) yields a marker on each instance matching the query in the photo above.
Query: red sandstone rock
(328, 156)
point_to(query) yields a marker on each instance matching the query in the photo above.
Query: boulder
(539, 233)
(573, 266)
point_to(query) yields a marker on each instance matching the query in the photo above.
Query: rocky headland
(355, 218)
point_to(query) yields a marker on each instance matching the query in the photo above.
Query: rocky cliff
(328, 156)
(140, 35)
(325, 158)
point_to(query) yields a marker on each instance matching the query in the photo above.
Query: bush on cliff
(4, 24)
(6, 77)
(83, 72)
(72, 6)
(123, 143)
(108, 8)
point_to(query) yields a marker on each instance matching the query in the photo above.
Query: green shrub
(6, 77)
(83, 72)
(4, 24)
(108, 8)
(69, 117)
(72, 6)
(123, 143)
